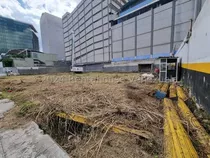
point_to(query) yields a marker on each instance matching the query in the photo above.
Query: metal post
(136, 36)
(93, 33)
(72, 62)
(122, 42)
(111, 44)
(86, 55)
(152, 32)
(109, 32)
(172, 25)
(177, 68)
(102, 29)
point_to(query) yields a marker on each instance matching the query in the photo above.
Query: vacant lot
(106, 99)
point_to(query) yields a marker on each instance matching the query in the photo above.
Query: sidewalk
(28, 141)
(5, 105)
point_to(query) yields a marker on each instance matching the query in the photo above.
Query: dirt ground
(106, 98)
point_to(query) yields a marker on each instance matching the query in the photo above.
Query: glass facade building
(17, 35)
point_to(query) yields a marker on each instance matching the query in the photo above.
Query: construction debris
(161, 90)
(147, 76)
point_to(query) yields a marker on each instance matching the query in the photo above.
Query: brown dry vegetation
(111, 99)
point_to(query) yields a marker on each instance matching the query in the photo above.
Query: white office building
(126, 34)
(52, 35)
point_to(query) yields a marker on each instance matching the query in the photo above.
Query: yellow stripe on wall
(200, 67)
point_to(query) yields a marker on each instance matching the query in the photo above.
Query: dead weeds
(113, 99)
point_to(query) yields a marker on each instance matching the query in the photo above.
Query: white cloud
(30, 11)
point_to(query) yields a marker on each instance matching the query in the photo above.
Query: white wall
(198, 48)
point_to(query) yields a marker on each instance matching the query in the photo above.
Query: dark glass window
(16, 35)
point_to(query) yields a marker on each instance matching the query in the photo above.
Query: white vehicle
(77, 69)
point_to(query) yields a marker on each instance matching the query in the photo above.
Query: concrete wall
(48, 59)
(43, 70)
(154, 33)
(121, 69)
(33, 70)
(101, 67)
(52, 35)
(90, 22)
(195, 58)
(93, 68)
(13, 70)
(2, 73)
(27, 62)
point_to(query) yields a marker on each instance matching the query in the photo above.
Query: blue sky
(30, 11)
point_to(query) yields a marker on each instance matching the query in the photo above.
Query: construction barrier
(172, 91)
(181, 94)
(114, 128)
(202, 136)
(177, 143)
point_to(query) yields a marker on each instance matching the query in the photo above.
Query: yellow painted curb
(172, 91)
(181, 94)
(202, 136)
(164, 88)
(158, 86)
(115, 129)
(177, 143)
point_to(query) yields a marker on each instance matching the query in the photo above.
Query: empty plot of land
(108, 100)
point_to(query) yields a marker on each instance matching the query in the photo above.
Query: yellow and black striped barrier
(177, 143)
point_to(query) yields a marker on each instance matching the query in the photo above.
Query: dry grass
(114, 99)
